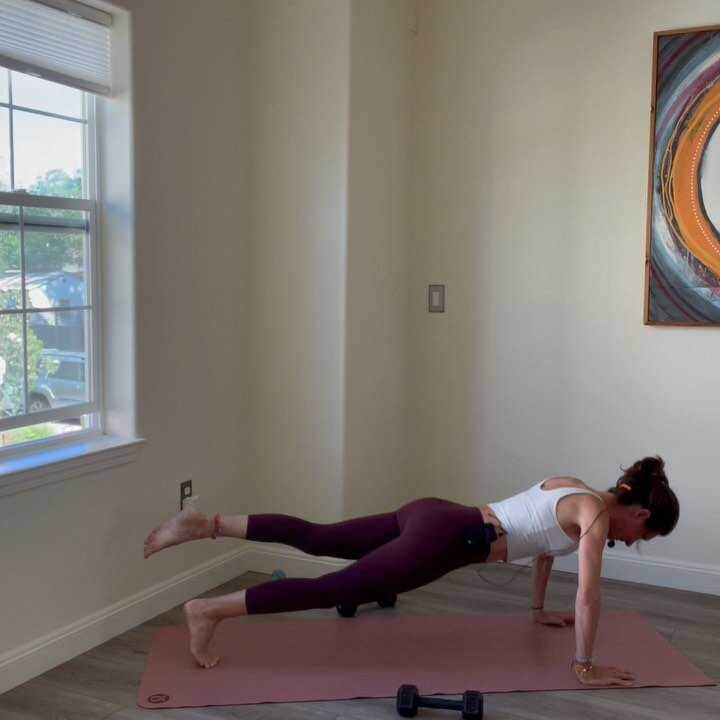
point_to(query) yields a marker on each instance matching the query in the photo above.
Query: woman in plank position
(399, 551)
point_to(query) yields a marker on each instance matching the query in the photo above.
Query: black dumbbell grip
(432, 702)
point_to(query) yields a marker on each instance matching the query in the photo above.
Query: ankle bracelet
(580, 667)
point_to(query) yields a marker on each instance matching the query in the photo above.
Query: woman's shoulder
(563, 481)
(577, 491)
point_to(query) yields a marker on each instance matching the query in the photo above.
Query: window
(54, 58)
(48, 245)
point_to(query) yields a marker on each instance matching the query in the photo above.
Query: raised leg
(191, 524)
(350, 539)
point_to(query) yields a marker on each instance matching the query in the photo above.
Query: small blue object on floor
(277, 574)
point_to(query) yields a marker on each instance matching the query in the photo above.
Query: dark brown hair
(645, 483)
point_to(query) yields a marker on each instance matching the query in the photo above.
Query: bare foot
(187, 525)
(201, 629)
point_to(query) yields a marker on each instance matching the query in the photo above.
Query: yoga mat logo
(158, 698)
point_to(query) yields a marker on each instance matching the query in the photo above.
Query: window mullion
(11, 130)
(93, 249)
(46, 113)
(25, 199)
(23, 305)
(51, 415)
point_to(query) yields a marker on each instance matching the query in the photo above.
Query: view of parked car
(61, 381)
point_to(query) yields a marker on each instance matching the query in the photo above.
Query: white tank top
(530, 520)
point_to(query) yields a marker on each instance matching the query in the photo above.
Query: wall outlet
(185, 491)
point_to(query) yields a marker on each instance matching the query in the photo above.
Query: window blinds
(59, 40)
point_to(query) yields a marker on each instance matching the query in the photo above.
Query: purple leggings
(395, 552)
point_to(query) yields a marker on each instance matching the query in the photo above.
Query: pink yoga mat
(291, 660)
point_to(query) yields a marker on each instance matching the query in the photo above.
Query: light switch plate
(436, 298)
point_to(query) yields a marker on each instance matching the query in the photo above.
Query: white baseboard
(265, 558)
(666, 573)
(40, 655)
(36, 657)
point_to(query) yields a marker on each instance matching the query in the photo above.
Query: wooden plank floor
(102, 683)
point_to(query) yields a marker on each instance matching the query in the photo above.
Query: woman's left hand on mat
(603, 675)
(559, 619)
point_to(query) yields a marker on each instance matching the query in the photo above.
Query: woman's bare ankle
(201, 628)
(234, 526)
(197, 524)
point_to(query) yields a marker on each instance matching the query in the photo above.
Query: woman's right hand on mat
(604, 675)
(560, 619)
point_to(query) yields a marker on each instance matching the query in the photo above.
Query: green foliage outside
(11, 350)
(46, 252)
(26, 434)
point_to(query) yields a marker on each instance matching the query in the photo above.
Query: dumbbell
(409, 700)
(348, 611)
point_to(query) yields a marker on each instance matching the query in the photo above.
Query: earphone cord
(525, 567)
(507, 582)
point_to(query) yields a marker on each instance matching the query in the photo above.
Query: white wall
(376, 323)
(529, 199)
(300, 54)
(328, 261)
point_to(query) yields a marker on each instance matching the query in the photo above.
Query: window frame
(90, 204)
(119, 442)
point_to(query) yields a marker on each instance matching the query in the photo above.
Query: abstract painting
(682, 279)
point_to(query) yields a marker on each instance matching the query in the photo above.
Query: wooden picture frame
(682, 257)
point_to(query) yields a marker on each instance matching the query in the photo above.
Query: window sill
(24, 472)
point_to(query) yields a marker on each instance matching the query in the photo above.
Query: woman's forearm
(587, 613)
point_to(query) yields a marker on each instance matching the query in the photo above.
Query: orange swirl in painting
(681, 192)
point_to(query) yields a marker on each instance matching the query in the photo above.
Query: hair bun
(649, 469)
(649, 466)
